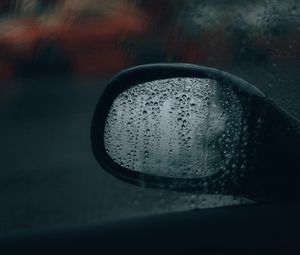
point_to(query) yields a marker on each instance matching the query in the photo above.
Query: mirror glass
(177, 127)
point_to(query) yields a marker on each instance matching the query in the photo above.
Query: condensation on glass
(178, 127)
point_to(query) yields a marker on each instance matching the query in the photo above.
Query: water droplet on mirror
(198, 119)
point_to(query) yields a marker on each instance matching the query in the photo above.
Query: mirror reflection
(177, 127)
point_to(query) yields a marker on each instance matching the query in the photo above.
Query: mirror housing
(271, 153)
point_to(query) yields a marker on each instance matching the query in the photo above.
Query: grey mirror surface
(177, 127)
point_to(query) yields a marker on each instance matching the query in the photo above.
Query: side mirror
(197, 129)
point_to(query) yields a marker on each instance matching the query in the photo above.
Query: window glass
(53, 70)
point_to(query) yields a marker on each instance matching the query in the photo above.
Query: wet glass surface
(180, 127)
(48, 175)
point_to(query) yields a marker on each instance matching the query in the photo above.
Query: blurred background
(101, 37)
(56, 57)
